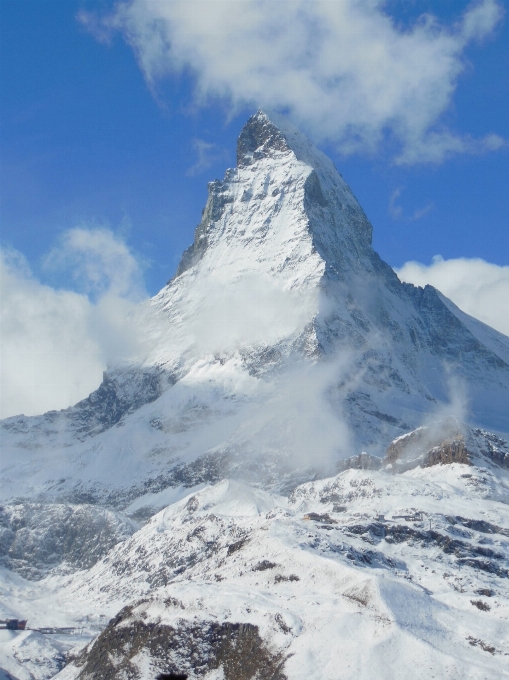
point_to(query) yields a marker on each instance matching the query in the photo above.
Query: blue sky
(99, 134)
(83, 141)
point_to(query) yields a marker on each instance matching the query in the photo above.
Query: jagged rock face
(260, 138)
(196, 647)
(37, 538)
(444, 442)
(450, 451)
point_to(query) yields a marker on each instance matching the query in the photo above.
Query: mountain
(282, 345)
(302, 473)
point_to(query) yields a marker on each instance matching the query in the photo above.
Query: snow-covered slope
(364, 575)
(368, 574)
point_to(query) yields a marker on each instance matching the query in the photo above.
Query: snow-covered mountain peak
(260, 138)
(282, 346)
(270, 135)
(285, 198)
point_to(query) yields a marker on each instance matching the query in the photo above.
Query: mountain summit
(282, 344)
(283, 178)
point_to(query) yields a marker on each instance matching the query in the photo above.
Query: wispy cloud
(479, 288)
(396, 211)
(345, 71)
(207, 154)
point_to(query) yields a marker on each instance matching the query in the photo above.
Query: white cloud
(251, 311)
(479, 288)
(345, 71)
(100, 263)
(56, 343)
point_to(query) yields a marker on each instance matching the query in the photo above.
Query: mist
(56, 343)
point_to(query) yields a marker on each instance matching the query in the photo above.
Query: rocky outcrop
(259, 139)
(361, 462)
(194, 647)
(444, 442)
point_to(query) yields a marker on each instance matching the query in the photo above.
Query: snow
(356, 604)
(411, 607)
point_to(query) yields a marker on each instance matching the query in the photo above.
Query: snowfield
(395, 575)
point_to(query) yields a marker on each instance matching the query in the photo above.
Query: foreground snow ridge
(362, 575)
(367, 574)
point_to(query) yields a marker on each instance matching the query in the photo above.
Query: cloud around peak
(344, 71)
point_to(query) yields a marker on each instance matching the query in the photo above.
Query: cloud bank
(57, 343)
(479, 288)
(344, 71)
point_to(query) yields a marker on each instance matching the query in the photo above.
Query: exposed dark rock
(449, 451)
(280, 578)
(264, 565)
(364, 461)
(483, 606)
(317, 517)
(313, 192)
(235, 547)
(189, 647)
(478, 525)
(486, 647)
(492, 447)
(469, 554)
(444, 442)
(487, 592)
(441, 443)
(258, 139)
